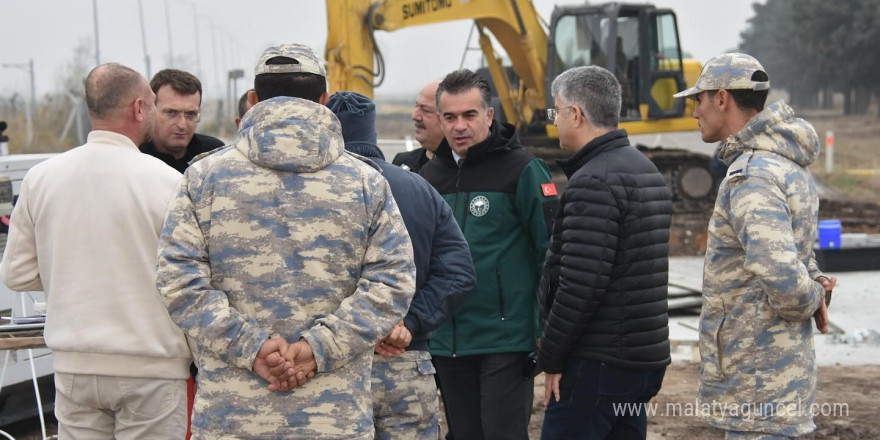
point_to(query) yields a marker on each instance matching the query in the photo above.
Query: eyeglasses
(552, 113)
(191, 116)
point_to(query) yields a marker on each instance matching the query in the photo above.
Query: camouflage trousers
(405, 402)
(742, 435)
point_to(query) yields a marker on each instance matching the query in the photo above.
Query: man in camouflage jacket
(761, 285)
(284, 234)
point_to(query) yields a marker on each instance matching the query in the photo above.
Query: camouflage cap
(307, 61)
(731, 71)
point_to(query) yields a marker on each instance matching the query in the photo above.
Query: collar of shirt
(456, 157)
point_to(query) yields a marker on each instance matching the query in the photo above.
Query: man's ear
(324, 98)
(138, 110)
(579, 116)
(252, 98)
(490, 113)
(722, 100)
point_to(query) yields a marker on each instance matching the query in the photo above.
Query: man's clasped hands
(286, 366)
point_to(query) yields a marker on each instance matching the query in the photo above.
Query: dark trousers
(592, 395)
(486, 396)
(445, 406)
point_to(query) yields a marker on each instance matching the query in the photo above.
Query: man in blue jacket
(405, 403)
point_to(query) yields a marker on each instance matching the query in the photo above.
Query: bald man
(85, 230)
(428, 132)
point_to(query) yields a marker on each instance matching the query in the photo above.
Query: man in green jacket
(502, 198)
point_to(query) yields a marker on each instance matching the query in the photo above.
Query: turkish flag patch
(549, 189)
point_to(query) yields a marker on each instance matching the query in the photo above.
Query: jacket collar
(609, 141)
(775, 129)
(502, 136)
(110, 138)
(290, 134)
(365, 149)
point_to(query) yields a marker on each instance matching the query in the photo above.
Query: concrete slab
(854, 315)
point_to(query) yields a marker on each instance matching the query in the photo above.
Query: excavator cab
(638, 43)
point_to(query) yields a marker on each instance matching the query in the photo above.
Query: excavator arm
(355, 62)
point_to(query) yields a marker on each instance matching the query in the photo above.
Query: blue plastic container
(829, 234)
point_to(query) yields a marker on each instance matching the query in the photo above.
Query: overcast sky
(232, 34)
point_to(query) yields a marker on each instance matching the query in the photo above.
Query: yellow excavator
(637, 42)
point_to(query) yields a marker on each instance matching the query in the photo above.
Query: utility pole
(198, 49)
(196, 29)
(234, 76)
(144, 38)
(97, 39)
(168, 29)
(32, 104)
(214, 61)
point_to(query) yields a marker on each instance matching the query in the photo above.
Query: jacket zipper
(467, 196)
(454, 337)
(500, 292)
(464, 216)
(463, 221)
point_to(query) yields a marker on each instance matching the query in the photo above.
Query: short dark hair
(751, 99)
(242, 104)
(295, 85)
(184, 83)
(462, 81)
(108, 86)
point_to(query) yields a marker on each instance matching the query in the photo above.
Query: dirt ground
(855, 388)
(855, 178)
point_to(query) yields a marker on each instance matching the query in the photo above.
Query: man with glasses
(179, 101)
(604, 287)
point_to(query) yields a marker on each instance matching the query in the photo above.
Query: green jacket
(504, 201)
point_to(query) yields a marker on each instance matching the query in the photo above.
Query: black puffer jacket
(604, 285)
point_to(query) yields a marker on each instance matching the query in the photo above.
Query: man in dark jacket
(428, 132)
(502, 197)
(178, 102)
(405, 403)
(604, 287)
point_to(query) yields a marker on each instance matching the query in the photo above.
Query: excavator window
(626, 64)
(665, 58)
(638, 43)
(666, 75)
(577, 42)
(613, 43)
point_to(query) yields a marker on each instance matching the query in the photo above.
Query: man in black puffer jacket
(604, 287)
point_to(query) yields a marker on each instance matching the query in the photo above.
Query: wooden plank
(694, 284)
(685, 303)
(21, 342)
(677, 292)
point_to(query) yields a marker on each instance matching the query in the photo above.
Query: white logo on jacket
(479, 206)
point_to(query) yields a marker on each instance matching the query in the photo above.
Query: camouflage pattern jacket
(758, 369)
(285, 234)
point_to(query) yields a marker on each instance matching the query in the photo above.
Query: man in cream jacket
(85, 230)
